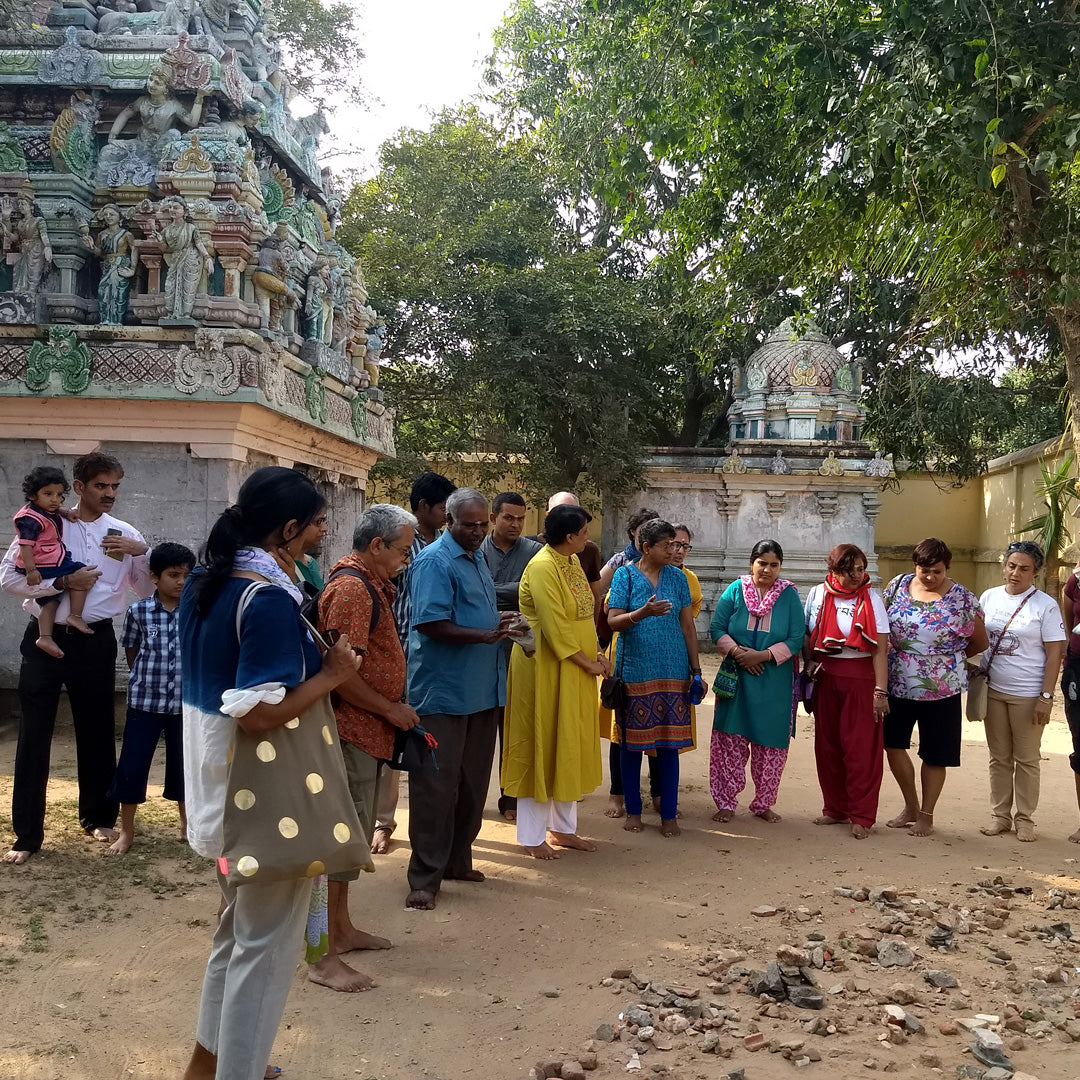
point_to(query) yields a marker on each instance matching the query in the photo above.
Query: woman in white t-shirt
(1027, 643)
(847, 648)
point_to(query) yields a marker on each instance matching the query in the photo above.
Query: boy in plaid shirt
(151, 639)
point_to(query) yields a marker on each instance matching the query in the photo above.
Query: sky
(421, 55)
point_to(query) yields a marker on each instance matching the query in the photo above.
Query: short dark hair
(504, 497)
(654, 530)
(842, 558)
(930, 552)
(766, 547)
(638, 518)
(563, 521)
(90, 465)
(1028, 548)
(164, 556)
(40, 477)
(430, 487)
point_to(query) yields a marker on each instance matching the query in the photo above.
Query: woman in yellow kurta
(616, 806)
(551, 751)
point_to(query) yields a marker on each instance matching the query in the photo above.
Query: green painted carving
(63, 353)
(12, 158)
(359, 416)
(130, 65)
(19, 61)
(315, 396)
(79, 153)
(307, 225)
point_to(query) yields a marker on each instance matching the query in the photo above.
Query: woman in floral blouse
(934, 623)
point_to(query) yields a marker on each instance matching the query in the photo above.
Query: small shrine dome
(797, 386)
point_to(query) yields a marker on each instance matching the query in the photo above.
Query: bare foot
(924, 826)
(47, 645)
(469, 875)
(633, 823)
(332, 971)
(123, 842)
(272, 1072)
(616, 807)
(510, 814)
(103, 835)
(353, 940)
(670, 828)
(76, 623)
(902, 820)
(1075, 838)
(995, 828)
(860, 832)
(723, 815)
(420, 900)
(1025, 831)
(380, 841)
(570, 840)
(769, 815)
(826, 819)
(17, 857)
(542, 851)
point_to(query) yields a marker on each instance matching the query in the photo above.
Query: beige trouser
(1014, 742)
(386, 799)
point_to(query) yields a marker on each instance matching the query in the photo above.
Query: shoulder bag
(288, 811)
(979, 671)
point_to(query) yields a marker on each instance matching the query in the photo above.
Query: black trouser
(1070, 691)
(615, 771)
(87, 671)
(446, 805)
(506, 802)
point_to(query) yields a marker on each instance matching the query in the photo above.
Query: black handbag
(613, 689)
(414, 749)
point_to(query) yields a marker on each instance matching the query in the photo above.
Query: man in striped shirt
(427, 499)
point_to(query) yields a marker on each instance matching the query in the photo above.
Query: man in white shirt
(115, 558)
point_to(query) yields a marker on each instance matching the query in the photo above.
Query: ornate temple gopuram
(171, 290)
(795, 469)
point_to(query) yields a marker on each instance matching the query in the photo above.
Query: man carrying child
(115, 558)
(151, 639)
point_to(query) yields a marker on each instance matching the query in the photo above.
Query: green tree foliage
(321, 45)
(903, 172)
(512, 336)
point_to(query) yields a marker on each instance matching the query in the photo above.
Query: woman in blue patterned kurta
(650, 608)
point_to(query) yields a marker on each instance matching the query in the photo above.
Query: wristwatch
(1045, 696)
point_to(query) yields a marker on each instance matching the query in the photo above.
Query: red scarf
(863, 636)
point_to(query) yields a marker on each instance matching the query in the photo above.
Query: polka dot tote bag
(288, 811)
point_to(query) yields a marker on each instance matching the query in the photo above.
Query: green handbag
(726, 682)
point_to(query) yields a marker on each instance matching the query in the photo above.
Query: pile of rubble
(822, 995)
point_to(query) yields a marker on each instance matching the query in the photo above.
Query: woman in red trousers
(847, 646)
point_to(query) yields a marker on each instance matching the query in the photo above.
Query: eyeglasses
(678, 545)
(855, 571)
(1025, 547)
(404, 552)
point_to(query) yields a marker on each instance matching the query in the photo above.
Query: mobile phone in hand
(117, 555)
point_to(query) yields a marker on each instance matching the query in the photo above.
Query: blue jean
(142, 732)
(667, 768)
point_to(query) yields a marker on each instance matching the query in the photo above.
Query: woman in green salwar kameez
(759, 622)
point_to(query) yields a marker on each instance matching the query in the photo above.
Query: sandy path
(101, 959)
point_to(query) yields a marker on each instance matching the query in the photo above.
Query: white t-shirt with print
(845, 612)
(1020, 661)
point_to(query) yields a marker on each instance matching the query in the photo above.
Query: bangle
(633, 621)
(695, 671)
(880, 693)
(61, 582)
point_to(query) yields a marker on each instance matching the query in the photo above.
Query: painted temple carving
(155, 182)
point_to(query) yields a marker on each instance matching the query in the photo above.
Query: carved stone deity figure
(159, 114)
(185, 255)
(114, 247)
(271, 286)
(779, 466)
(319, 303)
(879, 467)
(25, 233)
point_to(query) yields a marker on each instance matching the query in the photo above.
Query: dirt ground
(101, 958)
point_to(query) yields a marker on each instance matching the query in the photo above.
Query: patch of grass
(7, 963)
(36, 940)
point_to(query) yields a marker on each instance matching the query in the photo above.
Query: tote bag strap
(1001, 637)
(242, 606)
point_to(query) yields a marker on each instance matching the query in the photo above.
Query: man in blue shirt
(457, 684)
